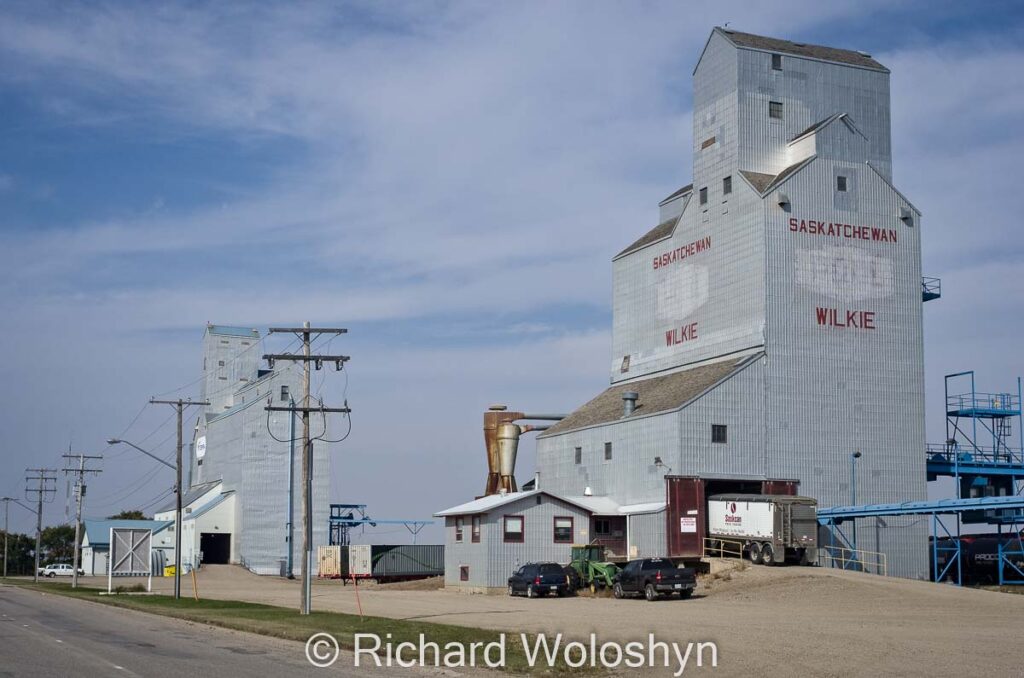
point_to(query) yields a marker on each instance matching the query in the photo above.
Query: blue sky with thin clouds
(448, 180)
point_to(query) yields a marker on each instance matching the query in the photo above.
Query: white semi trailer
(771, 528)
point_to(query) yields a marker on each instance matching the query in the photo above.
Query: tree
(19, 554)
(58, 543)
(129, 515)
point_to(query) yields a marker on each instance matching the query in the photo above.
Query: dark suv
(538, 579)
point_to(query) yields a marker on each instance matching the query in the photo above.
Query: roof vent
(629, 399)
(800, 44)
(587, 492)
(863, 54)
(782, 199)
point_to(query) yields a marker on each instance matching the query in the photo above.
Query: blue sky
(448, 180)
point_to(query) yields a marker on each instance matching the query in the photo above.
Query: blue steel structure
(346, 516)
(988, 473)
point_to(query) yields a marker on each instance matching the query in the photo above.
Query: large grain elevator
(769, 326)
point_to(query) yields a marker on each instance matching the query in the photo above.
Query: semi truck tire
(768, 555)
(755, 553)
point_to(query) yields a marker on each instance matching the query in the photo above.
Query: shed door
(685, 513)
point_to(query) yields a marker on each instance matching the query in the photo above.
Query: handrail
(725, 548)
(878, 561)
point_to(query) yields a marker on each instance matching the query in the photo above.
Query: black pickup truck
(654, 577)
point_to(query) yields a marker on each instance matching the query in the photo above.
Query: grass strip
(281, 622)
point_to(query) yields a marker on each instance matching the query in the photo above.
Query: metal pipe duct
(629, 399)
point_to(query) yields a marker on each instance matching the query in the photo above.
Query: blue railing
(953, 454)
(996, 403)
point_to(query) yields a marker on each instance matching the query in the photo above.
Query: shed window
(727, 185)
(841, 183)
(513, 529)
(776, 62)
(602, 527)
(459, 522)
(463, 572)
(578, 453)
(475, 533)
(563, 530)
(220, 363)
(704, 196)
(775, 109)
(607, 451)
(285, 394)
(719, 433)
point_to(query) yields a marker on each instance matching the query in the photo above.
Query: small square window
(513, 529)
(220, 363)
(463, 572)
(776, 62)
(285, 394)
(841, 184)
(563, 530)
(602, 527)
(727, 185)
(578, 452)
(607, 451)
(704, 196)
(719, 433)
(775, 109)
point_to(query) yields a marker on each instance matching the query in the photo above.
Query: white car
(60, 570)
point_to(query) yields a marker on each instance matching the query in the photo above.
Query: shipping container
(771, 528)
(333, 562)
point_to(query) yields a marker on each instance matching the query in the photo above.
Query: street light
(177, 513)
(854, 456)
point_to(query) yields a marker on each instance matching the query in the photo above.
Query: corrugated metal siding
(647, 535)
(832, 390)
(492, 561)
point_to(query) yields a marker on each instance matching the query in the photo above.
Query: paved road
(50, 636)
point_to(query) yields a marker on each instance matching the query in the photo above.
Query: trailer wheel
(768, 555)
(617, 590)
(755, 553)
(650, 593)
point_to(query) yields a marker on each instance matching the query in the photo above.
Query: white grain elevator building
(780, 294)
(771, 324)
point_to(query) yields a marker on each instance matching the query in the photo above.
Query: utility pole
(44, 491)
(7, 530)
(80, 497)
(307, 334)
(180, 406)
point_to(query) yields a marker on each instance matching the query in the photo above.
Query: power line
(308, 335)
(46, 487)
(80, 496)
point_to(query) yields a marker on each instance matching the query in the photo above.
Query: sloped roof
(758, 180)
(662, 230)
(493, 501)
(688, 188)
(763, 183)
(833, 54)
(205, 508)
(98, 531)
(657, 394)
(227, 331)
(191, 495)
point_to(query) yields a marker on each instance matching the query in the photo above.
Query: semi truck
(770, 529)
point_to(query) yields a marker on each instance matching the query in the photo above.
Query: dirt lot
(783, 621)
